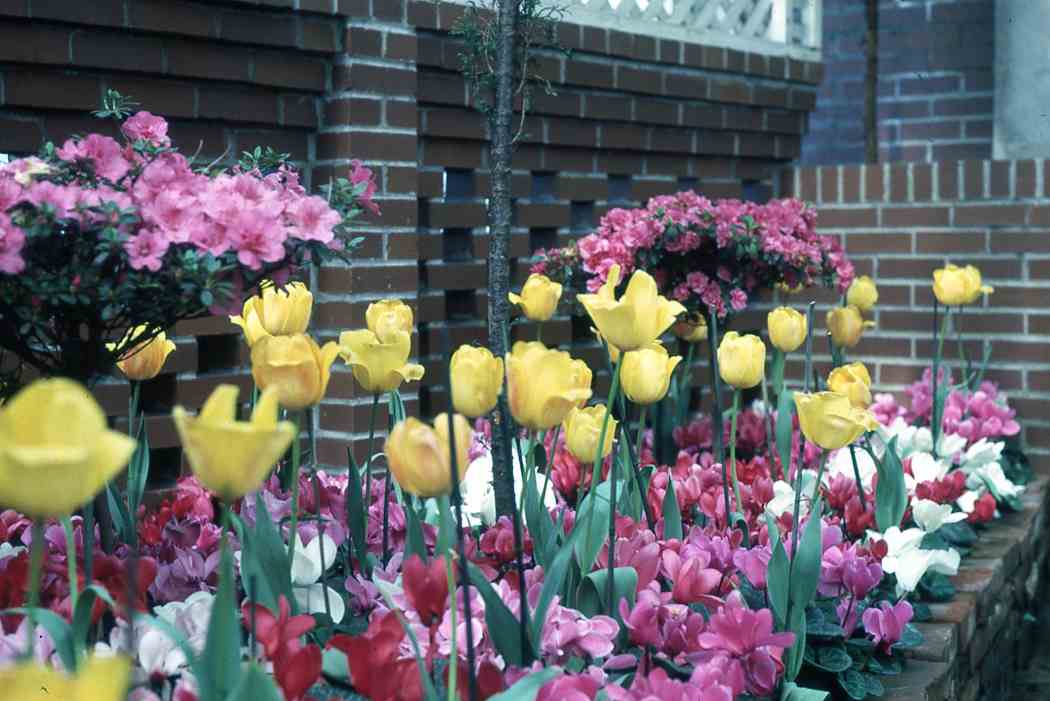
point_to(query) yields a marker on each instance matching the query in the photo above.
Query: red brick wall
(901, 221)
(935, 82)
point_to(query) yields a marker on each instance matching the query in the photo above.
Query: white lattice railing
(773, 27)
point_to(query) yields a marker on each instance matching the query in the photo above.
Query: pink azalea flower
(104, 153)
(313, 220)
(12, 239)
(147, 127)
(146, 249)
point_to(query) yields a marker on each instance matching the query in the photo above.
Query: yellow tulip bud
(282, 312)
(249, 322)
(231, 457)
(787, 328)
(539, 297)
(646, 373)
(862, 293)
(741, 360)
(295, 366)
(142, 361)
(830, 420)
(583, 429)
(846, 326)
(692, 329)
(637, 318)
(419, 454)
(380, 364)
(544, 384)
(97, 679)
(389, 315)
(854, 381)
(56, 451)
(477, 378)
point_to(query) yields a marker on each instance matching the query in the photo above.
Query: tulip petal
(221, 404)
(411, 372)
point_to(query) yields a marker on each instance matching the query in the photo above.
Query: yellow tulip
(637, 318)
(788, 289)
(854, 381)
(249, 322)
(295, 366)
(741, 360)
(142, 361)
(692, 329)
(231, 457)
(975, 287)
(830, 420)
(285, 311)
(862, 293)
(583, 429)
(380, 363)
(646, 373)
(955, 286)
(56, 451)
(787, 328)
(387, 316)
(419, 454)
(543, 385)
(846, 326)
(477, 378)
(539, 297)
(99, 679)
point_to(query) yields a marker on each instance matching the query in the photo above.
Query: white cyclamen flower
(307, 570)
(925, 468)
(991, 476)
(841, 462)
(949, 445)
(479, 500)
(929, 515)
(980, 454)
(908, 562)
(783, 500)
(910, 439)
(968, 501)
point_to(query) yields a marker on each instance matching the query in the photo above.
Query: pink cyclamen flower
(569, 633)
(885, 624)
(147, 127)
(569, 687)
(146, 249)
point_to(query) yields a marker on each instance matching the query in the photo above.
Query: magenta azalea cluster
(710, 255)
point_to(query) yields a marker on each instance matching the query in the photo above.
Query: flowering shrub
(97, 235)
(707, 255)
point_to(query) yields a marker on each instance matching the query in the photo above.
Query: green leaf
(830, 658)
(538, 519)
(805, 570)
(446, 539)
(794, 654)
(334, 666)
(591, 596)
(356, 515)
(935, 586)
(56, 627)
(910, 637)
(776, 371)
(594, 523)
(526, 688)
(960, 534)
(874, 684)
(778, 577)
(255, 685)
(138, 471)
(823, 625)
(220, 665)
(853, 683)
(414, 543)
(502, 624)
(891, 495)
(672, 515)
(81, 625)
(118, 511)
(793, 692)
(264, 559)
(785, 428)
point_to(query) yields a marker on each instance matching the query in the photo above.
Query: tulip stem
(800, 443)
(767, 421)
(453, 657)
(368, 458)
(296, 459)
(133, 407)
(732, 450)
(88, 534)
(550, 460)
(638, 469)
(36, 563)
(464, 574)
(718, 442)
(856, 476)
(938, 340)
(71, 562)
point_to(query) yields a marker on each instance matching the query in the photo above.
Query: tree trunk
(499, 215)
(871, 83)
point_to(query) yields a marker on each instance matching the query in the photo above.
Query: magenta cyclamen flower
(885, 624)
(569, 687)
(568, 633)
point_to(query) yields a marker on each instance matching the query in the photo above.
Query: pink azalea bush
(708, 255)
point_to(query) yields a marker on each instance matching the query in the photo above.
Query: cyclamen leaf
(853, 683)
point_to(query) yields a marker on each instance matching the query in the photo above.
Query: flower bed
(796, 547)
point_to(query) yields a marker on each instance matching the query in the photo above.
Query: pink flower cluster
(175, 207)
(982, 413)
(715, 254)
